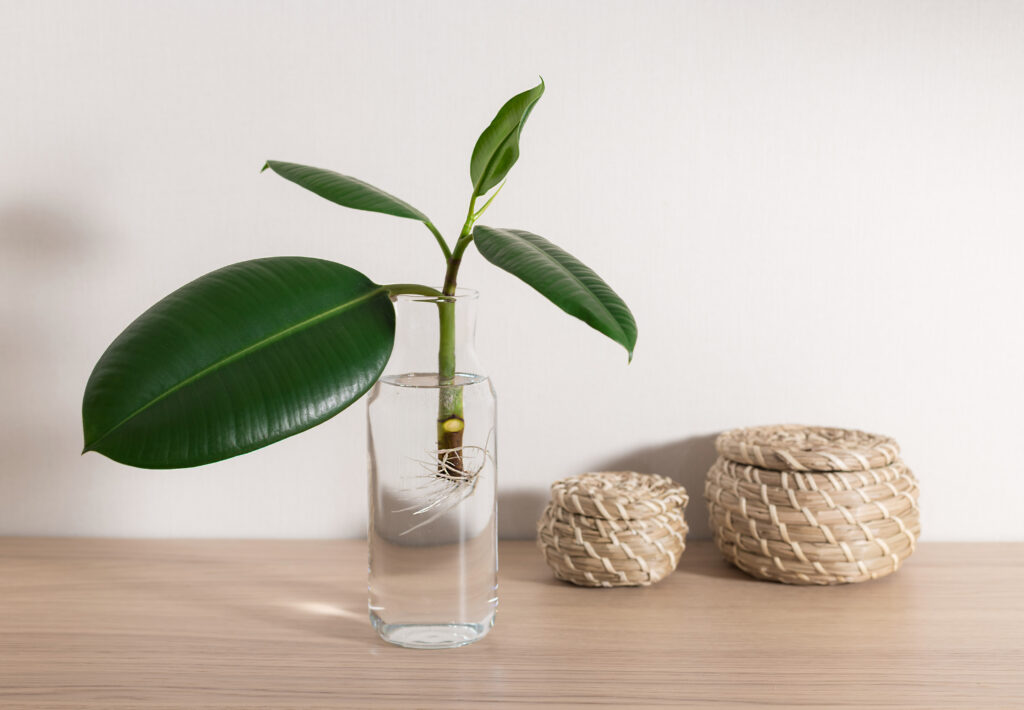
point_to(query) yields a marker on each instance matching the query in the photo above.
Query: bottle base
(430, 635)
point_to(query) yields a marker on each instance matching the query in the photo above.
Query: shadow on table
(238, 590)
(713, 566)
(314, 608)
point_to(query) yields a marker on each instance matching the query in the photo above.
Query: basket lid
(793, 447)
(619, 495)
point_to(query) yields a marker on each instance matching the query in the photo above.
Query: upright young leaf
(560, 277)
(345, 191)
(238, 359)
(497, 149)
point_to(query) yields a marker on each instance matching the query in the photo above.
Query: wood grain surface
(282, 624)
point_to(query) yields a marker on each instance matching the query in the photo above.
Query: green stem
(416, 289)
(489, 201)
(450, 419)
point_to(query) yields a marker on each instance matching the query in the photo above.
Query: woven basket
(811, 525)
(791, 447)
(613, 529)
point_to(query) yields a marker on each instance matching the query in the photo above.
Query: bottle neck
(429, 331)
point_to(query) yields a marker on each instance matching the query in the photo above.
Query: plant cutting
(261, 350)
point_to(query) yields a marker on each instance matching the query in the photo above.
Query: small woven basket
(613, 529)
(812, 505)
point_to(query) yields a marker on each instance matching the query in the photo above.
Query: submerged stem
(450, 413)
(450, 422)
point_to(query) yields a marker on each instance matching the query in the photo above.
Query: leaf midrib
(577, 279)
(490, 161)
(270, 339)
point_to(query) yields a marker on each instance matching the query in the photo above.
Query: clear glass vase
(432, 457)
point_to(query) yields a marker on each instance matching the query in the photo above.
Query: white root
(448, 483)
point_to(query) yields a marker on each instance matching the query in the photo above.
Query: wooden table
(282, 624)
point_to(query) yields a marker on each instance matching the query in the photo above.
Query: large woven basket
(812, 505)
(613, 529)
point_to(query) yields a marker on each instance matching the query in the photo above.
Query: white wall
(814, 209)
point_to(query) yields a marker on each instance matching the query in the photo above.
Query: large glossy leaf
(238, 359)
(497, 149)
(559, 276)
(344, 190)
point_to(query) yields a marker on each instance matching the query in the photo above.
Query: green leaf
(345, 191)
(497, 149)
(238, 359)
(560, 277)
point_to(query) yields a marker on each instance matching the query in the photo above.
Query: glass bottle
(432, 443)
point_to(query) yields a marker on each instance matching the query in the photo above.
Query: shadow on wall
(41, 246)
(686, 462)
(40, 233)
(518, 512)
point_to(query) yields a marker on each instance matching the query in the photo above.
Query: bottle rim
(461, 294)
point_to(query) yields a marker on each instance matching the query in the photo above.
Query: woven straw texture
(791, 447)
(613, 529)
(817, 526)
